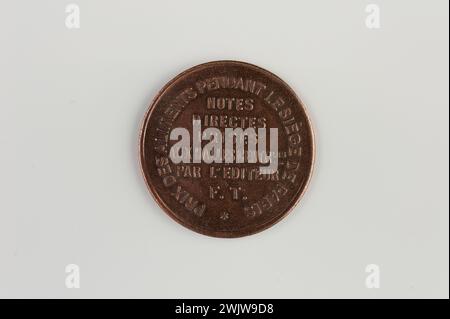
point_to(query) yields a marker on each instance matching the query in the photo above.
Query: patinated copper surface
(227, 199)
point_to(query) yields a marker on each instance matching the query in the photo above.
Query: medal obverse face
(227, 149)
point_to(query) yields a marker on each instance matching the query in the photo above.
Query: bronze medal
(227, 149)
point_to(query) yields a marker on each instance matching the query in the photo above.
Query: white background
(71, 104)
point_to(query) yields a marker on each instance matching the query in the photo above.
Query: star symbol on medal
(224, 215)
